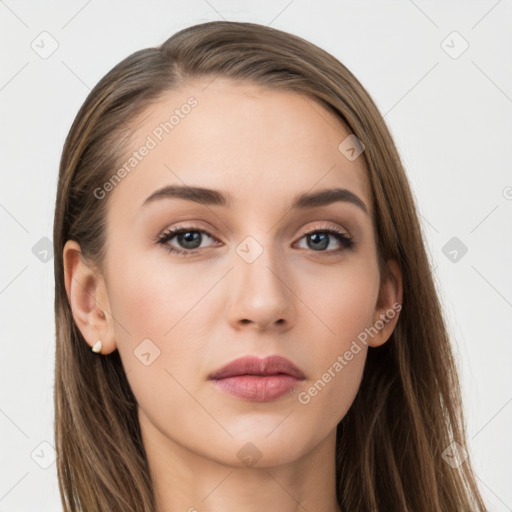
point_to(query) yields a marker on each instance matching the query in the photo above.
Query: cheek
(153, 300)
(159, 338)
(346, 309)
(330, 393)
(342, 298)
(165, 316)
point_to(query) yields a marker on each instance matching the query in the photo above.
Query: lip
(258, 380)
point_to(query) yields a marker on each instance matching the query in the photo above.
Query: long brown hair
(407, 412)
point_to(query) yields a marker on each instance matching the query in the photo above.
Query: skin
(263, 147)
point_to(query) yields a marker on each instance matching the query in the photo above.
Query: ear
(388, 305)
(88, 298)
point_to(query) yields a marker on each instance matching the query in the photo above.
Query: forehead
(255, 143)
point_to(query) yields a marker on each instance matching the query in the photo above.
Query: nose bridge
(261, 293)
(261, 262)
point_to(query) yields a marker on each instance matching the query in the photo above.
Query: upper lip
(252, 365)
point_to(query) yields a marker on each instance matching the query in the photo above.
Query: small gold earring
(97, 347)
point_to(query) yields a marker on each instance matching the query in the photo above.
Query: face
(196, 281)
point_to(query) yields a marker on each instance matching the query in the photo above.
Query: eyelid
(327, 225)
(174, 230)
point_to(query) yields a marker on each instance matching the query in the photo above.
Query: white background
(451, 119)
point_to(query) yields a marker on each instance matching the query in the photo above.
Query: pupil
(319, 237)
(190, 239)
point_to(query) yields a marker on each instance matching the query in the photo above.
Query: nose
(260, 294)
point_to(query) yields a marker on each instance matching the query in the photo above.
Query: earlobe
(389, 304)
(86, 291)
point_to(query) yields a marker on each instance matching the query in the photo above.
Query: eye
(190, 237)
(319, 239)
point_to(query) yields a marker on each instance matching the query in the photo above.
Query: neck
(187, 481)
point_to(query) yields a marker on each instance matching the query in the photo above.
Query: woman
(237, 243)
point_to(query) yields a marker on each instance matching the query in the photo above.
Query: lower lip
(256, 388)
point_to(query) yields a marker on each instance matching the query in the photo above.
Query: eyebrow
(212, 197)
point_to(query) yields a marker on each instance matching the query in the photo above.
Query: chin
(259, 449)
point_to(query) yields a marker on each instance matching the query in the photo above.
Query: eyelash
(345, 240)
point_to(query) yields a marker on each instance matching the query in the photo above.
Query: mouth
(258, 380)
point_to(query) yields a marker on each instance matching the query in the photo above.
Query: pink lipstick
(258, 380)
